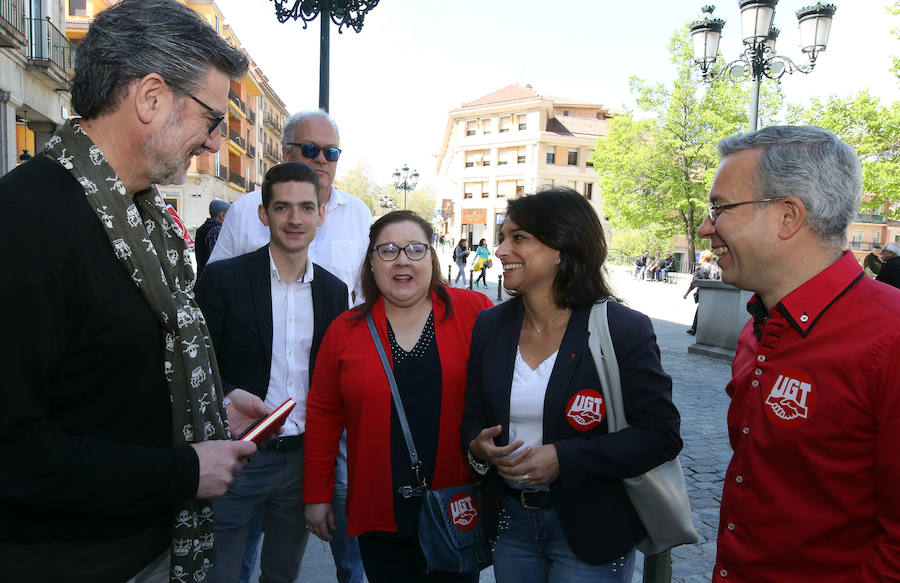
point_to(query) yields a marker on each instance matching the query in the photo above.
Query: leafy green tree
(896, 10)
(874, 130)
(657, 171)
(359, 182)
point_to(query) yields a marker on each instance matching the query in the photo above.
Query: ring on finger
(524, 480)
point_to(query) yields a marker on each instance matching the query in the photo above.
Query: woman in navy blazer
(535, 422)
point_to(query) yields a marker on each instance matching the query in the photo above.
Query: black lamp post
(405, 181)
(349, 13)
(759, 58)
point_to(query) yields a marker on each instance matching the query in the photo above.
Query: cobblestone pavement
(698, 389)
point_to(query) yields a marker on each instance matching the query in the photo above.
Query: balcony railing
(251, 116)
(272, 122)
(251, 151)
(12, 16)
(863, 245)
(237, 100)
(235, 178)
(222, 172)
(47, 44)
(272, 152)
(236, 138)
(251, 186)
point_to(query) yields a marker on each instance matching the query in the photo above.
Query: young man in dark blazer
(267, 312)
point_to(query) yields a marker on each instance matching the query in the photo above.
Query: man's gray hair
(892, 247)
(812, 164)
(287, 134)
(135, 38)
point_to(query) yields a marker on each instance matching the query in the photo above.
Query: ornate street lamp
(344, 13)
(405, 181)
(759, 58)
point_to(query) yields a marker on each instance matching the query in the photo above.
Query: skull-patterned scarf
(150, 246)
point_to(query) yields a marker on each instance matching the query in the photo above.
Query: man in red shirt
(811, 490)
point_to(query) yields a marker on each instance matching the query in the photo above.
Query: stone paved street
(699, 384)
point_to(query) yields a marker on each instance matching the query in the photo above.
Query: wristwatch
(481, 468)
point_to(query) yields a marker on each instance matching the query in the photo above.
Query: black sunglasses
(217, 116)
(311, 151)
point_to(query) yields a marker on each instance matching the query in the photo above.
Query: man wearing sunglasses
(340, 245)
(810, 492)
(113, 436)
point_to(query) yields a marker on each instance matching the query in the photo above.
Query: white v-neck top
(526, 401)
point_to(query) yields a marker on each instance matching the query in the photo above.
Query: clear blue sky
(393, 84)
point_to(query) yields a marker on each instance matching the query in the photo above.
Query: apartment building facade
(35, 73)
(508, 143)
(38, 39)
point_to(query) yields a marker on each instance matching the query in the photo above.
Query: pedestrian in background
(460, 253)
(208, 233)
(890, 268)
(872, 263)
(640, 265)
(482, 256)
(535, 423)
(811, 490)
(705, 269)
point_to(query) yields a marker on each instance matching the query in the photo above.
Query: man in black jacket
(890, 267)
(113, 434)
(267, 312)
(208, 233)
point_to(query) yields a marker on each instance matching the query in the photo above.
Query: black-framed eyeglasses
(712, 208)
(391, 251)
(311, 151)
(218, 117)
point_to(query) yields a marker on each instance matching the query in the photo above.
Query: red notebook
(266, 427)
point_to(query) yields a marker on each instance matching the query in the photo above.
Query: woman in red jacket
(425, 327)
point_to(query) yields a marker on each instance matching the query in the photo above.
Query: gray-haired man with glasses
(810, 492)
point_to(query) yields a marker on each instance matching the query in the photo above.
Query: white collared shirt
(339, 246)
(292, 334)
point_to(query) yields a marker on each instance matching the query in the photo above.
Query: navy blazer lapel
(571, 350)
(507, 346)
(261, 295)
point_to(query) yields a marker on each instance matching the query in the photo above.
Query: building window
(522, 121)
(588, 163)
(551, 157)
(469, 164)
(501, 162)
(77, 7)
(520, 187)
(505, 124)
(573, 157)
(470, 128)
(588, 190)
(486, 126)
(876, 238)
(216, 26)
(486, 163)
(520, 159)
(565, 112)
(484, 194)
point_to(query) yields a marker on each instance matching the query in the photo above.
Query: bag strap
(601, 347)
(405, 491)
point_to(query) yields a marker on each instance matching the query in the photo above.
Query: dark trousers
(391, 559)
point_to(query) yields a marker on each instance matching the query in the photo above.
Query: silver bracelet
(481, 468)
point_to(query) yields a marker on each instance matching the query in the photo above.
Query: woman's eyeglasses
(391, 251)
(311, 151)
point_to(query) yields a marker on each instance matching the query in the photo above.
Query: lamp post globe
(759, 60)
